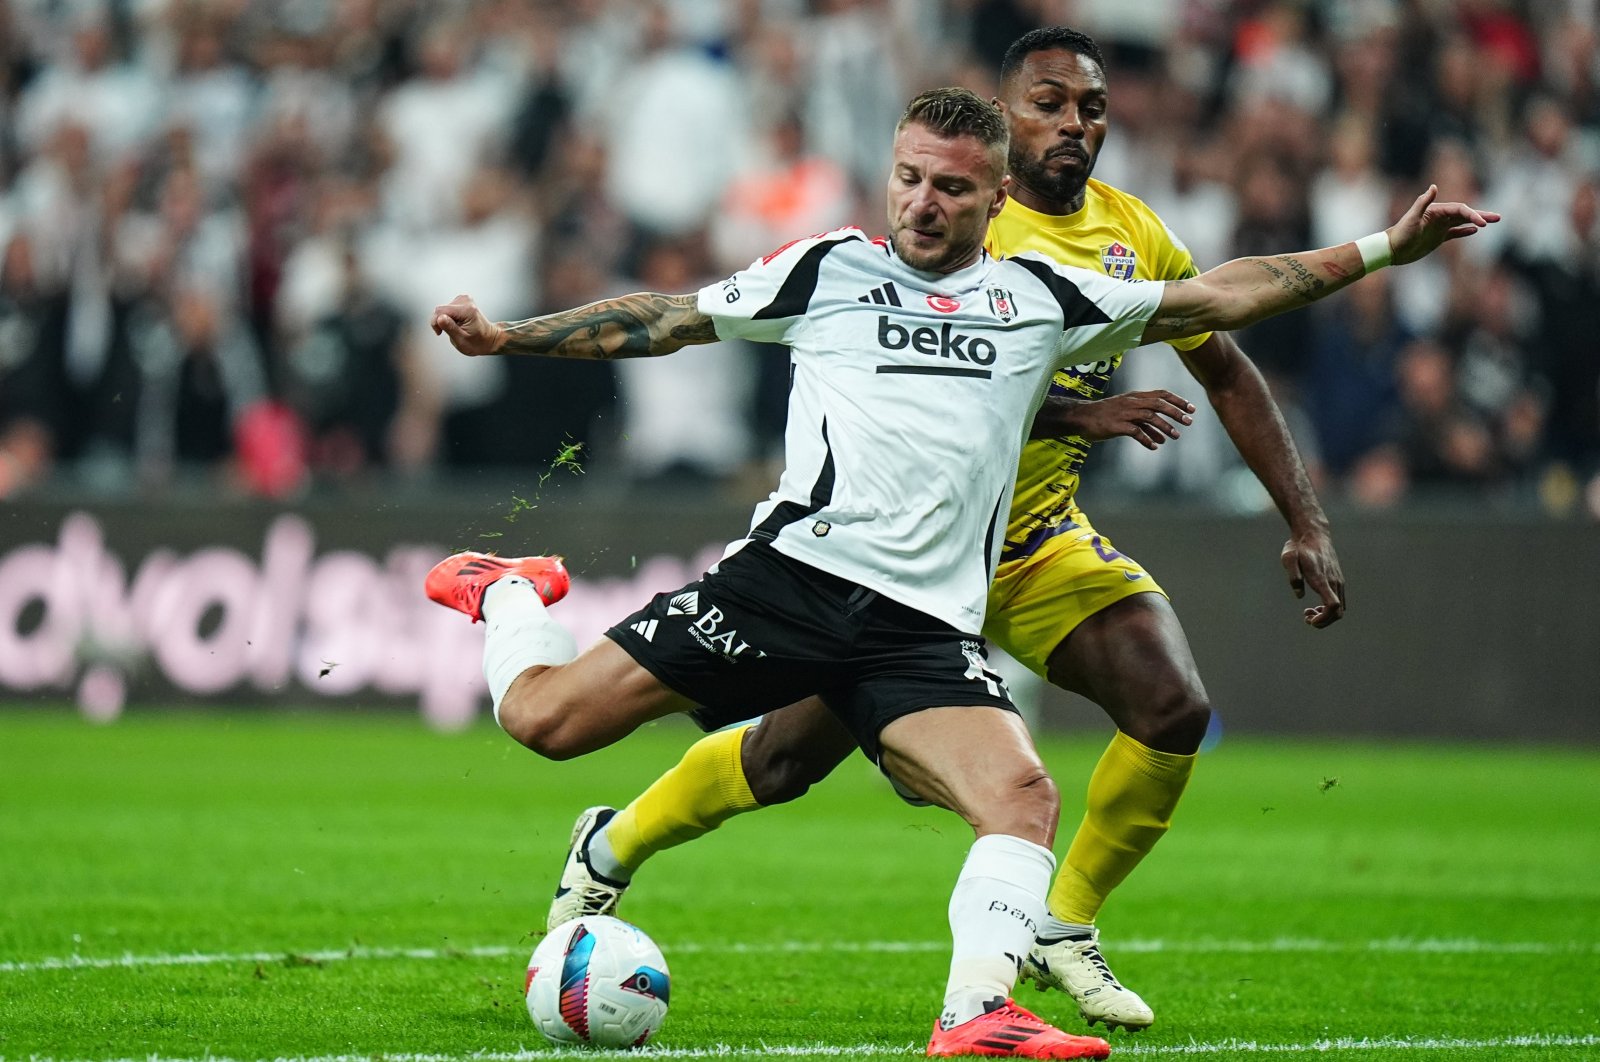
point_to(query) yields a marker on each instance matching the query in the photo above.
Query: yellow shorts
(1037, 600)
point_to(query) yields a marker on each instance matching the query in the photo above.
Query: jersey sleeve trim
(1077, 309)
(794, 296)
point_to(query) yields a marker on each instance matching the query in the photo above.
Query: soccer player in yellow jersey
(1064, 601)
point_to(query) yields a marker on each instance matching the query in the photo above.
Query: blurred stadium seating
(224, 222)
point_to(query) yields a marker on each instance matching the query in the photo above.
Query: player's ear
(1002, 89)
(1000, 195)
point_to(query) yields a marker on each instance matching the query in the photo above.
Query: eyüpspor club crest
(1119, 261)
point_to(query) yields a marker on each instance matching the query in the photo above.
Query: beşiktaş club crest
(1119, 260)
(1002, 305)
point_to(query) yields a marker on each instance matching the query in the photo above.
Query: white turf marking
(1393, 945)
(765, 1050)
(85, 962)
(1361, 1043)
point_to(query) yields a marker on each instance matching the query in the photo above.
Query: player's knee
(1025, 804)
(1039, 799)
(1174, 722)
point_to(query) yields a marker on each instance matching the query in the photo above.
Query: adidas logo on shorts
(645, 629)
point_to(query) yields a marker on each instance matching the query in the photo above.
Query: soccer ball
(599, 981)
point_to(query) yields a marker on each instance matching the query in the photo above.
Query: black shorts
(765, 631)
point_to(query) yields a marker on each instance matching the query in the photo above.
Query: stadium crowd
(224, 223)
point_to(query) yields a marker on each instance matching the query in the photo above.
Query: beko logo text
(941, 342)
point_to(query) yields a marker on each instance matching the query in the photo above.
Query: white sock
(1054, 929)
(995, 913)
(604, 860)
(520, 635)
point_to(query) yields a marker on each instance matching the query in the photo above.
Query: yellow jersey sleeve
(1172, 262)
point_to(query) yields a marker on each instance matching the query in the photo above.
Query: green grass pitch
(257, 885)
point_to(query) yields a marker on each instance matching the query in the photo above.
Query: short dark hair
(1049, 39)
(959, 112)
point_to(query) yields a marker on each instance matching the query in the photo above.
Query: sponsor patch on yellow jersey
(1114, 233)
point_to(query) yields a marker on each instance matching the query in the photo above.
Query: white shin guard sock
(520, 634)
(995, 913)
(603, 860)
(1053, 929)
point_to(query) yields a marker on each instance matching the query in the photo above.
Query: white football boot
(1077, 968)
(582, 890)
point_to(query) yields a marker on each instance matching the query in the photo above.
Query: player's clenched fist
(468, 330)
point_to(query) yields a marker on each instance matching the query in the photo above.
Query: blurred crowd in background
(224, 223)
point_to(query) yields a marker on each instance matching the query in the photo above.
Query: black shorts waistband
(845, 596)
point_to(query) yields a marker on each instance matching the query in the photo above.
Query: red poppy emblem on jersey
(942, 304)
(1119, 261)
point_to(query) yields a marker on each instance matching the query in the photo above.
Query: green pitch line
(254, 885)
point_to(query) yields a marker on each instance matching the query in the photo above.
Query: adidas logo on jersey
(941, 342)
(884, 296)
(684, 604)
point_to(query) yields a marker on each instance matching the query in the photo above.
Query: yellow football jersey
(1116, 233)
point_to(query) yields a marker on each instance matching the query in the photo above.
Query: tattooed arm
(642, 325)
(1247, 290)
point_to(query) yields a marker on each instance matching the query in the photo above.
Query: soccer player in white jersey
(863, 577)
(1064, 602)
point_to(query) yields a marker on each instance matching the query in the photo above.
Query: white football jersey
(911, 395)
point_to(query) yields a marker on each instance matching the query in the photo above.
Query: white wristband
(1375, 251)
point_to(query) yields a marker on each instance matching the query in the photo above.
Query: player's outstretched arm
(641, 325)
(1247, 290)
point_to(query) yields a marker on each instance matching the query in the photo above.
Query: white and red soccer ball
(598, 981)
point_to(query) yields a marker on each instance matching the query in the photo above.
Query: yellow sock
(705, 789)
(1132, 794)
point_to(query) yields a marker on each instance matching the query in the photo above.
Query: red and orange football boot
(459, 580)
(1008, 1031)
